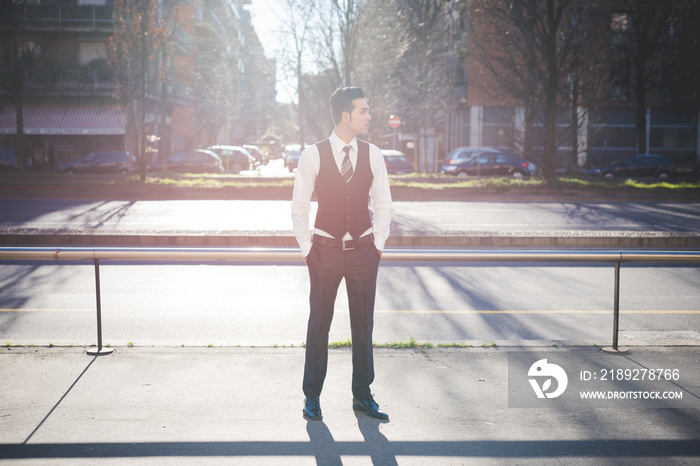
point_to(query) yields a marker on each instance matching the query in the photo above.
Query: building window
(620, 27)
(611, 135)
(669, 81)
(674, 133)
(498, 126)
(674, 138)
(619, 80)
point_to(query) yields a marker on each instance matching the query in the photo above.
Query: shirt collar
(338, 143)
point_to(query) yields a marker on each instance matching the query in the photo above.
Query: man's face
(359, 118)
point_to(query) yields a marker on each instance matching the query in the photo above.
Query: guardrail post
(99, 350)
(616, 312)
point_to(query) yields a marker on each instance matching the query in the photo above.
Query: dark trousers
(327, 266)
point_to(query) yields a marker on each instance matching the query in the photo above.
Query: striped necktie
(346, 168)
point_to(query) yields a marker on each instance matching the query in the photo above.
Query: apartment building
(605, 113)
(68, 98)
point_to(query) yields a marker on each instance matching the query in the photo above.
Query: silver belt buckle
(345, 248)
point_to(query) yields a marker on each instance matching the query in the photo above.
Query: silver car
(452, 164)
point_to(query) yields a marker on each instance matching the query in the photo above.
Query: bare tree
(642, 26)
(317, 117)
(393, 49)
(420, 75)
(527, 46)
(215, 87)
(257, 89)
(352, 45)
(338, 32)
(142, 29)
(590, 57)
(380, 47)
(686, 64)
(323, 39)
(13, 71)
(298, 20)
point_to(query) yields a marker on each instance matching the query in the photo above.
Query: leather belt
(345, 245)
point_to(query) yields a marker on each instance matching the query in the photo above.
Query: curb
(536, 239)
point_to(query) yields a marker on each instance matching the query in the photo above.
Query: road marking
(387, 311)
(475, 311)
(48, 310)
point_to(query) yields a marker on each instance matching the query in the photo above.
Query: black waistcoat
(343, 207)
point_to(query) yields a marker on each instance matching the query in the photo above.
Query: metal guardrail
(390, 255)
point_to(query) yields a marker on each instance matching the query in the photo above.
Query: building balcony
(180, 93)
(207, 19)
(66, 82)
(75, 18)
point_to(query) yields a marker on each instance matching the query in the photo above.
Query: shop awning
(67, 119)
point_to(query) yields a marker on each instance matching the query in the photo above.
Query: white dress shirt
(307, 171)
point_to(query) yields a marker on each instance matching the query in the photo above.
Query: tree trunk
(550, 143)
(17, 85)
(19, 139)
(641, 112)
(300, 105)
(550, 110)
(573, 157)
(528, 140)
(141, 152)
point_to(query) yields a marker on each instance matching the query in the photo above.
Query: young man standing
(347, 175)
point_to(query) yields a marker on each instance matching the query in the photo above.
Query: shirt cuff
(379, 242)
(305, 248)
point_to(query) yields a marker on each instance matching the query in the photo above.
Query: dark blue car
(104, 161)
(642, 165)
(8, 159)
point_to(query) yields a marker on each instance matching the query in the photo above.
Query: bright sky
(267, 26)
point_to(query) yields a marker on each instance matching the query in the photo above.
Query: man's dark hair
(341, 101)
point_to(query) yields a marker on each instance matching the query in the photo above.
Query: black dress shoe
(369, 406)
(312, 409)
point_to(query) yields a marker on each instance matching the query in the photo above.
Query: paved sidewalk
(243, 406)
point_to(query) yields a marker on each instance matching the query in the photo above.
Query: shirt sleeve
(380, 198)
(304, 183)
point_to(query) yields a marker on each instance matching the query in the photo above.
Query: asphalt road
(479, 304)
(267, 304)
(409, 218)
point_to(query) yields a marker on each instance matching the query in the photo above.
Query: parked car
(194, 161)
(255, 152)
(291, 156)
(396, 162)
(638, 166)
(496, 164)
(453, 163)
(8, 159)
(105, 161)
(235, 159)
